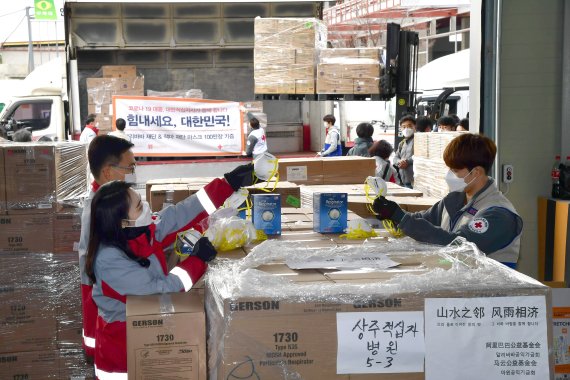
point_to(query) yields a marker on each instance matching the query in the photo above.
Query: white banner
(181, 127)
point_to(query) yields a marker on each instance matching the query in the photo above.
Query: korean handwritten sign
(181, 127)
(380, 342)
(486, 338)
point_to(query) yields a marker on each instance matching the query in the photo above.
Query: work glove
(241, 176)
(204, 250)
(386, 209)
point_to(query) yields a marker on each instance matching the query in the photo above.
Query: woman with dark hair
(256, 140)
(125, 255)
(474, 209)
(363, 142)
(381, 151)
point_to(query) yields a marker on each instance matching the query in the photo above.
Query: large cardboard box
(290, 192)
(44, 176)
(302, 171)
(119, 71)
(166, 335)
(30, 365)
(347, 169)
(26, 233)
(66, 231)
(294, 326)
(158, 194)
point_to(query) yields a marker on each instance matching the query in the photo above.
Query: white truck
(40, 105)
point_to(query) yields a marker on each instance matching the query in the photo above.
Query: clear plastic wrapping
(43, 177)
(40, 316)
(285, 52)
(194, 93)
(281, 323)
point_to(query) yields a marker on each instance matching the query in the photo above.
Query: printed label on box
(296, 173)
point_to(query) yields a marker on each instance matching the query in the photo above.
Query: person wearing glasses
(122, 246)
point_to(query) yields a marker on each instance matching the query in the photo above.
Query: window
(35, 114)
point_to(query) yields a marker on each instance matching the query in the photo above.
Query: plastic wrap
(285, 52)
(108, 81)
(40, 314)
(194, 93)
(41, 177)
(349, 71)
(250, 302)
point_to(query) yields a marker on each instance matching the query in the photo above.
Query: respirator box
(330, 212)
(267, 213)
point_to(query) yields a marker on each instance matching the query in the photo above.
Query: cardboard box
(166, 334)
(24, 327)
(303, 86)
(30, 365)
(158, 194)
(302, 171)
(297, 330)
(66, 231)
(290, 192)
(347, 169)
(26, 233)
(101, 90)
(119, 71)
(43, 175)
(103, 109)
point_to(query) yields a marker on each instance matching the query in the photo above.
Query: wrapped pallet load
(349, 71)
(392, 309)
(285, 52)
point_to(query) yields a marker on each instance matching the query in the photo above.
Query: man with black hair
(446, 124)
(364, 140)
(91, 129)
(256, 140)
(404, 155)
(120, 132)
(22, 135)
(424, 124)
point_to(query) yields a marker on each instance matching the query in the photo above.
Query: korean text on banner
(181, 127)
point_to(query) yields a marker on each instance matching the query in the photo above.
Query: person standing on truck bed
(404, 156)
(120, 132)
(332, 140)
(363, 142)
(256, 141)
(91, 129)
(474, 208)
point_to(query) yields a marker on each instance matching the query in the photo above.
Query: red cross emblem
(220, 147)
(478, 225)
(263, 138)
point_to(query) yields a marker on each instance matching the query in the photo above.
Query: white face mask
(145, 218)
(132, 178)
(455, 183)
(326, 125)
(265, 166)
(407, 132)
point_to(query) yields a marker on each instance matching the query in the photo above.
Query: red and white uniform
(118, 276)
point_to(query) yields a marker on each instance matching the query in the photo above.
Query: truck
(179, 46)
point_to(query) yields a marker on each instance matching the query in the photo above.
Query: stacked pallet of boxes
(40, 189)
(429, 167)
(349, 71)
(285, 52)
(416, 316)
(113, 80)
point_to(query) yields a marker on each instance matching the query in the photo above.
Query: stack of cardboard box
(285, 52)
(349, 71)
(40, 190)
(326, 171)
(429, 167)
(114, 80)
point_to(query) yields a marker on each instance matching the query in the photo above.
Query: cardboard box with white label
(166, 336)
(418, 312)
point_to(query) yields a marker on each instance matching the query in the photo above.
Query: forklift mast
(400, 75)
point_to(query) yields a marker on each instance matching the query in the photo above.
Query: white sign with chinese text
(181, 127)
(486, 338)
(380, 342)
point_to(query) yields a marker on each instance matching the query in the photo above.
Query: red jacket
(119, 276)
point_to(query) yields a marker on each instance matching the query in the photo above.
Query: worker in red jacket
(125, 256)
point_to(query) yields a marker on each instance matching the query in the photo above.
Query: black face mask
(135, 232)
